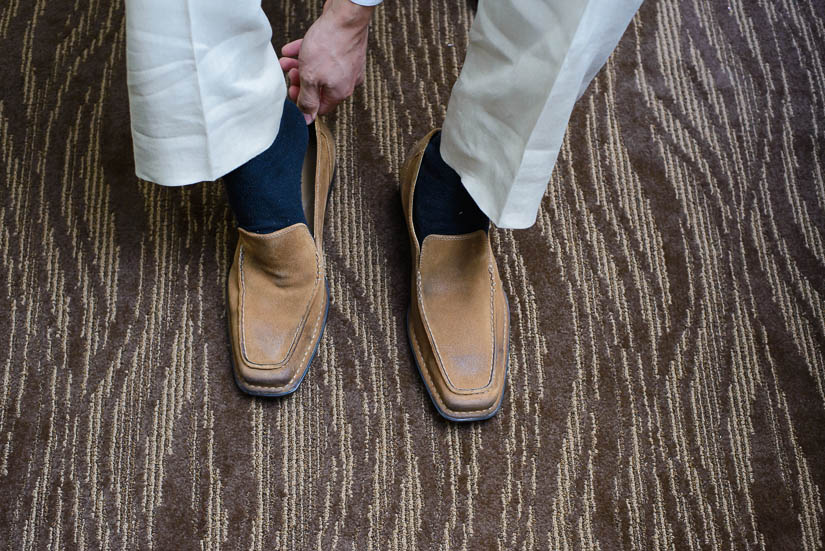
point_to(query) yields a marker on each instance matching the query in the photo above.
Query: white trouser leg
(205, 88)
(527, 63)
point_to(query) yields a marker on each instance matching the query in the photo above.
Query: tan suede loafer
(458, 322)
(277, 293)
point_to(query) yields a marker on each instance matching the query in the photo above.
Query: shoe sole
(440, 411)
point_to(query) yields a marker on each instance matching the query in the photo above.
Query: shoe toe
(277, 300)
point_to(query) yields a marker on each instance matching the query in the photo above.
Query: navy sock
(265, 192)
(441, 205)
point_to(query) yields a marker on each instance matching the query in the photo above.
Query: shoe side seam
(492, 322)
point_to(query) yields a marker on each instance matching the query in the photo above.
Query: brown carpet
(667, 381)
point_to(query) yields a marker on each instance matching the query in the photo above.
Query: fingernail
(308, 118)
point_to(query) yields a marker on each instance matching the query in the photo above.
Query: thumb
(309, 100)
(292, 49)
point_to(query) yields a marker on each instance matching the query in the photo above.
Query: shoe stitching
(492, 318)
(440, 237)
(279, 233)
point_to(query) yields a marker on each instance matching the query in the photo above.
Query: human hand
(327, 64)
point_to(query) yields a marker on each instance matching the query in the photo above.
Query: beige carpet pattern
(667, 363)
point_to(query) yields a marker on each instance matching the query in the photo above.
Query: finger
(309, 100)
(288, 63)
(329, 101)
(294, 77)
(291, 49)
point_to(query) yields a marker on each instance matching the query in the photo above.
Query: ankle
(265, 192)
(441, 204)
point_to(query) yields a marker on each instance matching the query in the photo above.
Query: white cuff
(366, 2)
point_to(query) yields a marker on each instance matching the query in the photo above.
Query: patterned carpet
(667, 381)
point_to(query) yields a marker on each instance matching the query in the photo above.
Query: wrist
(347, 14)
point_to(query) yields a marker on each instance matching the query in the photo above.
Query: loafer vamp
(458, 327)
(456, 302)
(278, 277)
